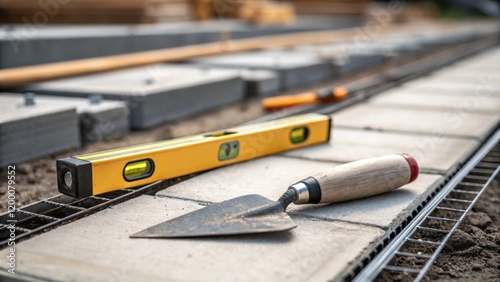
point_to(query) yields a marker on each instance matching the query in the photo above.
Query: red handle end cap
(413, 166)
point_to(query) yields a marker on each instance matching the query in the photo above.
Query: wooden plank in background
(23, 75)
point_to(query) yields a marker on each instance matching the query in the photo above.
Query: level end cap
(413, 166)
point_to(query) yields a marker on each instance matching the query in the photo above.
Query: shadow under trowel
(279, 237)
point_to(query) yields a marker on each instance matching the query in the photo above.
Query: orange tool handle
(324, 95)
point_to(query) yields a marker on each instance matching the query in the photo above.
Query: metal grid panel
(52, 212)
(434, 226)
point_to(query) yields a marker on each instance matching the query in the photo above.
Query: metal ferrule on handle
(308, 191)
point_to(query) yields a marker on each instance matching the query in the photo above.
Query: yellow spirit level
(101, 172)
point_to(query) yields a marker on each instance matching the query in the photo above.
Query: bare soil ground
(473, 251)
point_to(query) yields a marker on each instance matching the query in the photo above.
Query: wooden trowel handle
(357, 179)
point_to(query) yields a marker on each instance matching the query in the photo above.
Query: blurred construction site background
(254, 11)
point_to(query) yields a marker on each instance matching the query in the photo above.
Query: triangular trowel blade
(243, 215)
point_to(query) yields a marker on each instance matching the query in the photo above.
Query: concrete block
(103, 120)
(384, 48)
(385, 210)
(460, 34)
(387, 49)
(154, 94)
(346, 58)
(343, 68)
(401, 45)
(440, 101)
(434, 153)
(31, 131)
(435, 122)
(294, 68)
(435, 38)
(97, 248)
(260, 83)
(428, 39)
(343, 51)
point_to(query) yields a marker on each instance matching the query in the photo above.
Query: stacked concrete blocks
(21, 45)
(157, 93)
(344, 58)
(260, 83)
(99, 119)
(295, 69)
(30, 129)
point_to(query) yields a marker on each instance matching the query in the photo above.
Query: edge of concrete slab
(427, 149)
(59, 252)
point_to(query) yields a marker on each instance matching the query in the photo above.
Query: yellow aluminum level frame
(101, 172)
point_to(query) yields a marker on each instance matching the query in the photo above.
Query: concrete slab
(491, 53)
(478, 76)
(477, 68)
(480, 64)
(260, 83)
(468, 72)
(156, 93)
(97, 248)
(487, 57)
(346, 67)
(295, 69)
(475, 104)
(481, 88)
(339, 51)
(435, 122)
(277, 173)
(451, 84)
(459, 35)
(467, 67)
(14, 110)
(385, 211)
(271, 176)
(347, 58)
(402, 45)
(434, 153)
(390, 46)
